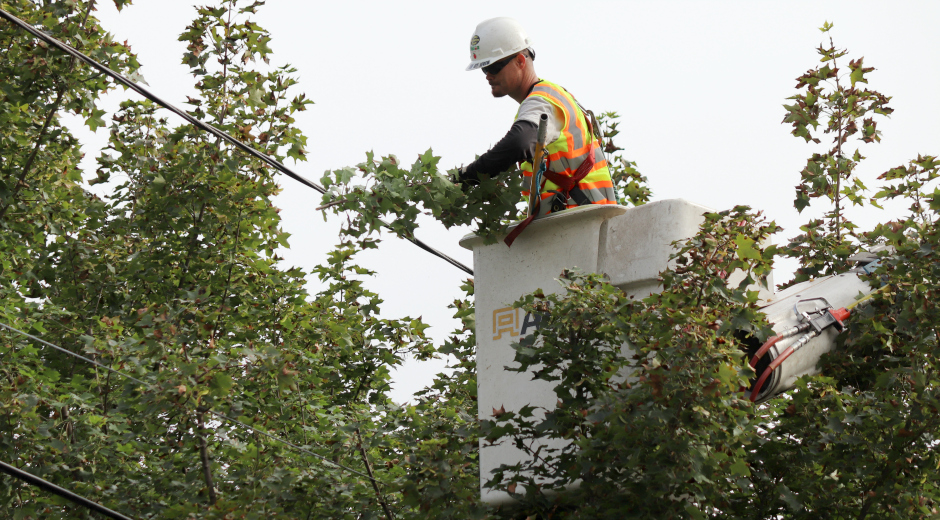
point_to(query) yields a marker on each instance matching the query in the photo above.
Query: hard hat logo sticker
(475, 40)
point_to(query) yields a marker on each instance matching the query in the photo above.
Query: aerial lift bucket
(630, 245)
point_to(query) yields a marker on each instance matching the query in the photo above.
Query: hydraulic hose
(828, 318)
(777, 361)
(764, 348)
(793, 331)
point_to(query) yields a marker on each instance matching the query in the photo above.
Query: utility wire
(205, 126)
(211, 412)
(25, 476)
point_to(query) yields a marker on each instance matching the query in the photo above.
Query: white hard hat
(495, 39)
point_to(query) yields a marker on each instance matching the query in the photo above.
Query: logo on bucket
(506, 320)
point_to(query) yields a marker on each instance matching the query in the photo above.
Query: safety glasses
(498, 66)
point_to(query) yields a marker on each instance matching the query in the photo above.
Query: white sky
(699, 85)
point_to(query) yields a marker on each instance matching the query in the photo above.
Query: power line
(205, 126)
(25, 476)
(210, 412)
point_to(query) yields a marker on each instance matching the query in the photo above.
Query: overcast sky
(699, 85)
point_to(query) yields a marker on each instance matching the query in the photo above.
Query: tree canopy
(250, 397)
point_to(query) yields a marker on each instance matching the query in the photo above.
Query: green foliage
(648, 391)
(913, 180)
(398, 195)
(441, 432)
(40, 200)
(174, 280)
(860, 442)
(843, 111)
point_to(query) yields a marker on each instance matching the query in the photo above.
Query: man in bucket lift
(575, 169)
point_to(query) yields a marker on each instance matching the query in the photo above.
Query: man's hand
(454, 175)
(460, 177)
(465, 176)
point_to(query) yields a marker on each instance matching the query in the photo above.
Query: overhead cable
(205, 126)
(25, 476)
(209, 411)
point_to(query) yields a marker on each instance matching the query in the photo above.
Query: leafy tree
(843, 110)
(440, 433)
(43, 206)
(174, 280)
(40, 197)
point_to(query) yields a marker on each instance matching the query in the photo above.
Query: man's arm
(516, 146)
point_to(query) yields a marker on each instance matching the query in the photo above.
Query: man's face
(501, 82)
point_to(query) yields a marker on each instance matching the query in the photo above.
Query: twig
(331, 204)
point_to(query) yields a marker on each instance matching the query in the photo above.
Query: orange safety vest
(575, 144)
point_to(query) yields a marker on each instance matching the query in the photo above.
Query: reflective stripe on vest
(570, 149)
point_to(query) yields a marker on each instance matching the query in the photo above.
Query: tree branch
(32, 156)
(375, 484)
(331, 204)
(204, 455)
